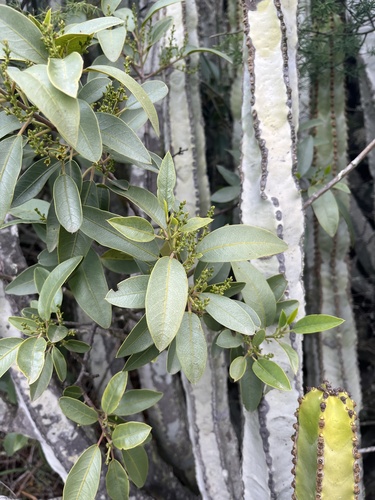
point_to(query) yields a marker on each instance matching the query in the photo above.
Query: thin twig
(369, 449)
(352, 165)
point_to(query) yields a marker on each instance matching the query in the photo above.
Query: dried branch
(352, 165)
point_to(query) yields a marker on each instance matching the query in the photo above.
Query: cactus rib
(325, 454)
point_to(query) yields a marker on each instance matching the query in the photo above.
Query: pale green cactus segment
(324, 453)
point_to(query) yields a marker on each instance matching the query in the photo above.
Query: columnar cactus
(325, 455)
(327, 274)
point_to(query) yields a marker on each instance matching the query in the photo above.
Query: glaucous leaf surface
(52, 284)
(238, 243)
(59, 363)
(166, 182)
(136, 463)
(133, 228)
(119, 137)
(131, 292)
(117, 482)
(251, 388)
(40, 385)
(8, 123)
(78, 411)
(138, 340)
(130, 435)
(229, 314)
(23, 36)
(93, 26)
(166, 298)
(89, 287)
(8, 352)
(30, 357)
(326, 211)
(237, 368)
(145, 200)
(83, 479)
(95, 225)
(191, 347)
(257, 292)
(271, 374)
(10, 167)
(67, 202)
(316, 323)
(89, 140)
(61, 109)
(113, 392)
(136, 401)
(112, 42)
(33, 180)
(65, 73)
(134, 88)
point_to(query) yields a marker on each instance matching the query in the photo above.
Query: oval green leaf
(326, 211)
(52, 284)
(113, 392)
(10, 167)
(117, 482)
(32, 181)
(40, 385)
(77, 411)
(292, 355)
(129, 435)
(257, 292)
(30, 357)
(95, 225)
(93, 26)
(166, 181)
(120, 138)
(8, 353)
(141, 358)
(136, 401)
(112, 42)
(23, 36)
(144, 199)
(59, 363)
(229, 314)
(134, 88)
(238, 243)
(24, 283)
(67, 203)
(166, 299)
(195, 223)
(76, 346)
(133, 228)
(228, 339)
(25, 325)
(131, 292)
(136, 463)
(251, 388)
(138, 340)
(61, 109)
(89, 141)
(237, 368)
(89, 287)
(191, 347)
(271, 374)
(65, 74)
(316, 323)
(83, 479)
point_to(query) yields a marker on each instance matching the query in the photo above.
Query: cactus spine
(325, 446)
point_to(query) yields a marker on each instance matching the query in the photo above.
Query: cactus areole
(325, 446)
